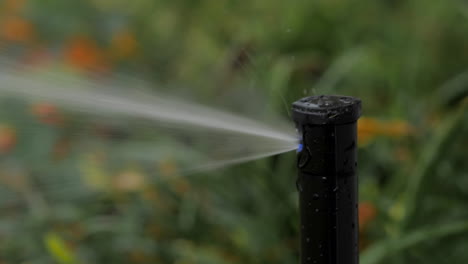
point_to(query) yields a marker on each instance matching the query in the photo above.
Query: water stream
(194, 136)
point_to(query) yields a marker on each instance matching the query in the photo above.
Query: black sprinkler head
(327, 180)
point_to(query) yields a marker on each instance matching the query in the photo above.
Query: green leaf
(379, 251)
(58, 249)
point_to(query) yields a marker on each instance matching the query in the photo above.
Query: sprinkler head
(327, 181)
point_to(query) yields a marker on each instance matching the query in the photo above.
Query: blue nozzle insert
(299, 147)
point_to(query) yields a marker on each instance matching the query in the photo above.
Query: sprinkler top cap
(326, 110)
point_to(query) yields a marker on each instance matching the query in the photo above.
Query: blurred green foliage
(406, 59)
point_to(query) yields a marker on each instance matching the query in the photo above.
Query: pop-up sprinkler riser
(327, 180)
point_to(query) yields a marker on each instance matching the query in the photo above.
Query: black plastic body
(327, 180)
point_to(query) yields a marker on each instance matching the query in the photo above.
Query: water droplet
(321, 255)
(307, 240)
(317, 210)
(335, 189)
(324, 178)
(320, 245)
(316, 196)
(309, 258)
(310, 204)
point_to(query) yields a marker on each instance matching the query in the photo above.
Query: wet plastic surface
(327, 180)
(327, 109)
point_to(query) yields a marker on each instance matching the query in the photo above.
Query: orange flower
(123, 45)
(369, 128)
(16, 29)
(83, 53)
(13, 5)
(7, 139)
(397, 129)
(47, 113)
(367, 214)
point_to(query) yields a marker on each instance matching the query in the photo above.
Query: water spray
(327, 180)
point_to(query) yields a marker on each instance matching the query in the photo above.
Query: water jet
(327, 179)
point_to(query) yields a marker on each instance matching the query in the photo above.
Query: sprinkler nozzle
(299, 147)
(327, 180)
